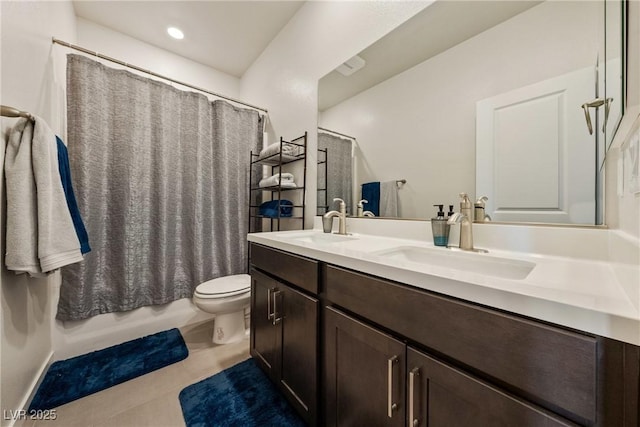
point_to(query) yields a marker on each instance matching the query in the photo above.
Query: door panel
(364, 374)
(299, 349)
(545, 174)
(265, 341)
(444, 396)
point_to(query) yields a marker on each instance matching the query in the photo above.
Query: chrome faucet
(465, 220)
(361, 211)
(327, 219)
(479, 211)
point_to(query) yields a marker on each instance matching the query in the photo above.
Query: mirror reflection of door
(335, 171)
(534, 155)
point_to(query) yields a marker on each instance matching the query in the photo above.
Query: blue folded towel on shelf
(371, 193)
(270, 209)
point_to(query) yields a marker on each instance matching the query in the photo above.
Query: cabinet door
(265, 336)
(364, 374)
(299, 314)
(439, 395)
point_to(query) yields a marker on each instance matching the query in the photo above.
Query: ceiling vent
(351, 66)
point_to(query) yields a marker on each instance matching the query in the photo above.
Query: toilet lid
(225, 286)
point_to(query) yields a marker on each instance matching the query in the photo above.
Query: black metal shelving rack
(277, 161)
(322, 189)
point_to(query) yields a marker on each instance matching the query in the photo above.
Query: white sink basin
(316, 238)
(463, 261)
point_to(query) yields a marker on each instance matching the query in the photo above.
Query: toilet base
(229, 328)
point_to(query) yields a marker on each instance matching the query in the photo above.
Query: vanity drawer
(299, 271)
(551, 366)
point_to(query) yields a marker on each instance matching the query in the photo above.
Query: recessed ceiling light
(175, 33)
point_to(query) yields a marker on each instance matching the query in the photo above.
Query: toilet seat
(224, 287)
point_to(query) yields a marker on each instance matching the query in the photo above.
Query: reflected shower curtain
(338, 172)
(161, 177)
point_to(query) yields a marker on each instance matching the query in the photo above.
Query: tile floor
(152, 399)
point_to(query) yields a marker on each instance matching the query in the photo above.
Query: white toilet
(227, 297)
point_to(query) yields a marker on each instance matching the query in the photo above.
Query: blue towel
(65, 176)
(270, 208)
(371, 193)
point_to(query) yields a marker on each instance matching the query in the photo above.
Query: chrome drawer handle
(276, 320)
(270, 314)
(413, 422)
(391, 406)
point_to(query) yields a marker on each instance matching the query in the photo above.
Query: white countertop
(585, 294)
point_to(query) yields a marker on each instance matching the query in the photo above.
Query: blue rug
(71, 379)
(239, 396)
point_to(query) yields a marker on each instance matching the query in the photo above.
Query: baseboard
(31, 391)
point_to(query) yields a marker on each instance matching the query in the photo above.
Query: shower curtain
(161, 177)
(338, 171)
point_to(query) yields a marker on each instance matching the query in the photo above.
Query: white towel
(388, 199)
(285, 182)
(40, 232)
(289, 151)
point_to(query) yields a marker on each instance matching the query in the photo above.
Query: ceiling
(226, 35)
(437, 28)
(230, 35)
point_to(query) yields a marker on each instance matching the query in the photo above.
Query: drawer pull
(275, 317)
(391, 405)
(270, 314)
(413, 422)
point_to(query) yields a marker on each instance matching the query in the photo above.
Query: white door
(535, 159)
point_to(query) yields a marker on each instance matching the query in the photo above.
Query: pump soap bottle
(440, 228)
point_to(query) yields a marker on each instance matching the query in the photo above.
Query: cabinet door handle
(413, 422)
(275, 317)
(393, 360)
(270, 314)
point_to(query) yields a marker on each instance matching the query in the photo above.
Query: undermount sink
(472, 262)
(317, 238)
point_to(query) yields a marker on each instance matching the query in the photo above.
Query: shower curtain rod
(337, 133)
(126, 64)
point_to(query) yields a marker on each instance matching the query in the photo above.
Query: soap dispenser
(440, 228)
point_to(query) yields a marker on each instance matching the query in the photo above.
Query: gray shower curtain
(338, 171)
(161, 177)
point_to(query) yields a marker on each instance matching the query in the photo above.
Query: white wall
(427, 114)
(318, 38)
(32, 80)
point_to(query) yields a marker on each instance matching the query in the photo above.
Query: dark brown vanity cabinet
(396, 355)
(284, 325)
(374, 379)
(462, 364)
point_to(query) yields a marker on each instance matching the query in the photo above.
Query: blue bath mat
(71, 379)
(239, 396)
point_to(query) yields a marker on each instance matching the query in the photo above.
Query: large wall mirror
(513, 100)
